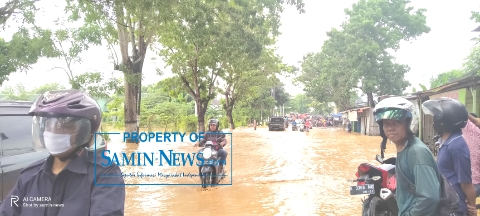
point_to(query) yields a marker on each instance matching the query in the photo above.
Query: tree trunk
(201, 114)
(371, 103)
(132, 65)
(229, 102)
(130, 107)
(230, 118)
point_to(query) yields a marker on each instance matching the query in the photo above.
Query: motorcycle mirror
(376, 178)
(379, 159)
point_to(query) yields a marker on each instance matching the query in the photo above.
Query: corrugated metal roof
(477, 29)
(451, 85)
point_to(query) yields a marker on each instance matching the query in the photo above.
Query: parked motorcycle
(210, 172)
(379, 182)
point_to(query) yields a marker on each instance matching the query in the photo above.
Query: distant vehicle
(300, 125)
(16, 143)
(276, 123)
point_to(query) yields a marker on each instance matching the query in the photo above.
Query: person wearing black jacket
(214, 135)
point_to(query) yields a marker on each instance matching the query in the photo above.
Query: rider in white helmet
(418, 187)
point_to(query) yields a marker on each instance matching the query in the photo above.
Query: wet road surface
(274, 173)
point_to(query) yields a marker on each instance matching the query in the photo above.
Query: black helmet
(214, 121)
(448, 114)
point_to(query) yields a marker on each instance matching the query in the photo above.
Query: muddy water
(273, 173)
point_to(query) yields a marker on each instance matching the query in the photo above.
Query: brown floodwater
(272, 173)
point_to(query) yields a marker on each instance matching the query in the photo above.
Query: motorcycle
(379, 182)
(294, 127)
(210, 171)
(301, 127)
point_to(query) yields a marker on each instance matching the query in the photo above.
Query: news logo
(168, 166)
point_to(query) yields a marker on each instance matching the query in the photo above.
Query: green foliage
(301, 103)
(359, 52)
(19, 92)
(95, 84)
(472, 64)
(47, 87)
(24, 8)
(37, 43)
(446, 77)
(210, 40)
(158, 110)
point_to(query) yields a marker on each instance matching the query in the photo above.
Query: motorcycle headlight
(207, 153)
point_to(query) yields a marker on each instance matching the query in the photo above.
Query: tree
(127, 23)
(472, 64)
(47, 87)
(199, 44)
(374, 28)
(357, 56)
(446, 77)
(323, 79)
(25, 7)
(19, 92)
(301, 103)
(37, 43)
(243, 72)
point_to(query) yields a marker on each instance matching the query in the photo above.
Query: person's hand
(471, 210)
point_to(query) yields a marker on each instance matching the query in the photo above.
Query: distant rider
(307, 125)
(213, 135)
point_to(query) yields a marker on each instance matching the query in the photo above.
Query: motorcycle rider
(307, 125)
(397, 119)
(213, 135)
(449, 118)
(64, 123)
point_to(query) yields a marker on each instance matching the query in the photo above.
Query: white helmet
(396, 108)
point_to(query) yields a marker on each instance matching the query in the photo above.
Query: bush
(224, 123)
(189, 123)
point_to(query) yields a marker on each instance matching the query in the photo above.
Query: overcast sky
(443, 49)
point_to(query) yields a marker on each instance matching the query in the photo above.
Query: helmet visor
(433, 108)
(59, 134)
(394, 114)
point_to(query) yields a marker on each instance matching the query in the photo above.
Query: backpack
(449, 199)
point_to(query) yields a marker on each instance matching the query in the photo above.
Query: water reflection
(274, 173)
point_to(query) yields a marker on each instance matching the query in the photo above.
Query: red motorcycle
(379, 183)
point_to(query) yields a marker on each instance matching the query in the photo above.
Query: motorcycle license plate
(362, 189)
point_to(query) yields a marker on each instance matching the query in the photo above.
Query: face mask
(56, 143)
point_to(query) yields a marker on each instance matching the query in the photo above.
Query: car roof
(8, 103)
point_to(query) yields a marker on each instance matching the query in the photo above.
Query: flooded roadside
(274, 173)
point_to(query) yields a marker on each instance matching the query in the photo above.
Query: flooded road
(273, 173)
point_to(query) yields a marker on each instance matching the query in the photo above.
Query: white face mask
(56, 143)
